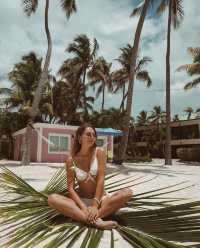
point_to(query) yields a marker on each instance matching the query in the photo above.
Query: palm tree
(155, 221)
(84, 56)
(157, 135)
(176, 117)
(100, 74)
(9, 123)
(189, 111)
(142, 9)
(158, 115)
(121, 76)
(197, 112)
(47, 103)
(24, 78)
(192, 69)
(143, 118)
(30, 6)
(74, 92)
(112, 118)
(175, 17)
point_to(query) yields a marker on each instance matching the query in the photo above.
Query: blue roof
(109, 131)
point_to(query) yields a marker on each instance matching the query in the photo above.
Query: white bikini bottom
(88, 201)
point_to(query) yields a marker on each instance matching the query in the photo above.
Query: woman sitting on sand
(89, 203)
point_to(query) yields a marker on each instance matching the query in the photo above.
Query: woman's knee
(52, 199)
(127, 193)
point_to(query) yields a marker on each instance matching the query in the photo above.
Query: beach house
(52, 142)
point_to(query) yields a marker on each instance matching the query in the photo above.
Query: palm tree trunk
(38, 94)
(168, 159)
(123, 98)
(85, 105)
(124, 141)
(103, 98)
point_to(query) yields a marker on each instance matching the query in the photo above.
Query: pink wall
(34, 146)
(54, 158)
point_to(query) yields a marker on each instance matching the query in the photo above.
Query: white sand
(38, 175)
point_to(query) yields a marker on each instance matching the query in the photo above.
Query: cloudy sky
(108, 21)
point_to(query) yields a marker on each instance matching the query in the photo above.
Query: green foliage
(138, 159)
(192, 69)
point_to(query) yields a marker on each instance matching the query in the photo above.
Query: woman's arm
(70, 184)
(101, 158)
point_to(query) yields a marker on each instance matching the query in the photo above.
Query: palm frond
(69, 7)
(137, 10)
(28, 221)
(192, 84)
(177, 13)
(184, 67)
(144, 76)
(162, 7)
(5, 91)
(30, 6)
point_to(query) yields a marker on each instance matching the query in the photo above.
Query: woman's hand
(85, 211)
(92, 214)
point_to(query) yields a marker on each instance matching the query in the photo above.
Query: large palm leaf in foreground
(154, 218)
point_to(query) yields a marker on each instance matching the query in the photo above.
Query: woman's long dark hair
(76, 145)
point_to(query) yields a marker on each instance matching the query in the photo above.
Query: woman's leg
(67, 207)
(110, 204)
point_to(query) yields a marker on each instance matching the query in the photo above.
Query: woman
(89, 203)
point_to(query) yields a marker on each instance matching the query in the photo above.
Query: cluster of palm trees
(65, 96)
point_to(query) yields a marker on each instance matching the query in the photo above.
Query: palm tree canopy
(69, 7)
(82, 49)
(30, 6)
(192, 69)
(100, 73)
(189, 111)
(144, 76)
(176, 10)
(121, 76)
(143, 118)
(158, 115)
(24, 77)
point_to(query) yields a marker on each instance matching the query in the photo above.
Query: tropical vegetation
(192, 69)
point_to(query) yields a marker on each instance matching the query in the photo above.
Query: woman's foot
(105, 225)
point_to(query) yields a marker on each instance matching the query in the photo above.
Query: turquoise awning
(109, 131)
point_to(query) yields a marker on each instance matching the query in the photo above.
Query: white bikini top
(82, 175)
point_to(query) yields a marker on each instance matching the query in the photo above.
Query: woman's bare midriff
(86, 189)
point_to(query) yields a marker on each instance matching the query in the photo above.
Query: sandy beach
(38, 175)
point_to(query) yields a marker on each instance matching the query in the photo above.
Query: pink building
(52, 142)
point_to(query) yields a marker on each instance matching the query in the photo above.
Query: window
(185, 132)
(102, 142)
(58, 143)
